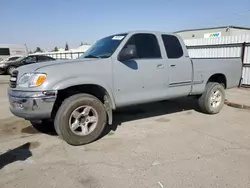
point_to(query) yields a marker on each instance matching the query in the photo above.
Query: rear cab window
(173, 46)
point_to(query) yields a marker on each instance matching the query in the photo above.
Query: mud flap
(107, 105)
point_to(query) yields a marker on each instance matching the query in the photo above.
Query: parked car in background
(11, 58)
(7, 67)
(7, 50)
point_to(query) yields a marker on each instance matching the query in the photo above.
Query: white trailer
(7, 50)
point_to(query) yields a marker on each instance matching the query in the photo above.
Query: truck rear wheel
(212, 100)
(80, 119)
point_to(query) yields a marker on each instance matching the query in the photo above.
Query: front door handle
(173, 65)
(160, 66)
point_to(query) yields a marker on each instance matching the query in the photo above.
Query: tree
(66, 47)
(55, 49)
(38, 49)
(81, 44)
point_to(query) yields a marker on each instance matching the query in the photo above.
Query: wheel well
(219, 78)
(95, 90)
(6, 69)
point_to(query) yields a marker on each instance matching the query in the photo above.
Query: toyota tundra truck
(120, 70)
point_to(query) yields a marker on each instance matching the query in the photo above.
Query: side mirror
(127, 53)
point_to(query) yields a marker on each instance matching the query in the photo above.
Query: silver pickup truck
(119, 70)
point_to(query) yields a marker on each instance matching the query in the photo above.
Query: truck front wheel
(212, 100)
(80, 119)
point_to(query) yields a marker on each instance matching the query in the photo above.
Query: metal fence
(62, 55)
(65, 55)
(230, 46)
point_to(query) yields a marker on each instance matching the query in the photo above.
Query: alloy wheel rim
(83, 120)
(216, 99)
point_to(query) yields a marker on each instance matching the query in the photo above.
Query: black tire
(10, 70)
(205, 100)
(62, 118)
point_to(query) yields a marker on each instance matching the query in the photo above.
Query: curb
(236, 105)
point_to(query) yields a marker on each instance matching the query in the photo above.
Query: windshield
(105, 47)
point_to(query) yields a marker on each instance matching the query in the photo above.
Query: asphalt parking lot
(165, 144)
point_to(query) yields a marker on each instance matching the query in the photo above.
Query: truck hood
(36, 66)
(62, 74)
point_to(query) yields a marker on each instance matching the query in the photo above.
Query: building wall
(200, 33)
(237, 32)
(222, 47)
(196, 34)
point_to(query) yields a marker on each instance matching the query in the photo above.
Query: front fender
(82, 81)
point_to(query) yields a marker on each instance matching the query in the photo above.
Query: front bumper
(2, 69)
(32, 105)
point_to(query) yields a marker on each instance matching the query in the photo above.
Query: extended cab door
(179, 67)
(142, 79)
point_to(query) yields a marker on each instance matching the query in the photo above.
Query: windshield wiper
(91, 56)
(104, 56)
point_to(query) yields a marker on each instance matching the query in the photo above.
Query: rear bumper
(32, 105)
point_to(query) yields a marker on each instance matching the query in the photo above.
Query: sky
(50, 23)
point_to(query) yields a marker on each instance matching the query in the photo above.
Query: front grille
(13, 79)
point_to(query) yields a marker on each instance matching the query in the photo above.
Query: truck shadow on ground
(39, 127)
(20, 153)
(128, 114)
(150, 110)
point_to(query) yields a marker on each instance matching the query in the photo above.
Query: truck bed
(203, 68)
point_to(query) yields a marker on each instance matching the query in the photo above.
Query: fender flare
(84, 81)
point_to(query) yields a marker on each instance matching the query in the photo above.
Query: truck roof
(146, 31)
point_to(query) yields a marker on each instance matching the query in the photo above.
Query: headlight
(2, 65)
(31, 79)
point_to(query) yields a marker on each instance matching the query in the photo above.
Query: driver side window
(31, 59)
(146, 46)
